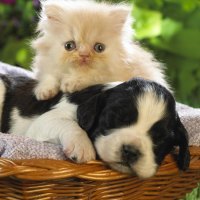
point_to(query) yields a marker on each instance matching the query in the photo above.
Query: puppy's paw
(46, 90)
(71, 84)
(79, 149)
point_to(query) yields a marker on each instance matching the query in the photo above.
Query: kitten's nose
(84, 52)
(130, 154)
(84, 55)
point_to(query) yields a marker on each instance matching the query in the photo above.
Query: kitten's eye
(70, 45)
(98, 47)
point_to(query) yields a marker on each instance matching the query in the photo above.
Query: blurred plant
(17, 21)
(8, 1)
(194, 195)
(171, 28)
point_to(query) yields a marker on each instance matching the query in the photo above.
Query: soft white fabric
(190, 117)
(20, 147)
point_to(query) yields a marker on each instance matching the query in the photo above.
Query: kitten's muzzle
(84, 59)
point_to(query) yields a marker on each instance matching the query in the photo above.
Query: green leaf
(28, 11)
(153, 4)
(188, 5)
(193, 21)
(185, 77)
(169, 28)
(194, 195)
(2, 10)
(16, 53)
(21, 55)
(185, 43)
(148, 23)
(174, 11)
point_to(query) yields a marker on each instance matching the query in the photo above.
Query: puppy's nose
(130, 154)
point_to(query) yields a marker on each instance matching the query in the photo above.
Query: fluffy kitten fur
(87, 23)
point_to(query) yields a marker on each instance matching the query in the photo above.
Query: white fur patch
(150, 109)
(111, 85)
(2, 97)
(59, 126)
(44, 127)
(47, 87)
(19, 123)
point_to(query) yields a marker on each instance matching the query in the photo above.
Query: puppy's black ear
(88, 112)
(181, 137)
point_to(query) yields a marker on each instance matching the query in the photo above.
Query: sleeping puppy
(131, 126)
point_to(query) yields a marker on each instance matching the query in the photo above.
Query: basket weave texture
(59, 180)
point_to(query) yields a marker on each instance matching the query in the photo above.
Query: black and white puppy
(131, 126)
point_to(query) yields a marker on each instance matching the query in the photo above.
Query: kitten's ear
(53, 12)
(120, 14)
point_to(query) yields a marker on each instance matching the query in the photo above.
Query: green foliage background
(17, 22)
(169, 28)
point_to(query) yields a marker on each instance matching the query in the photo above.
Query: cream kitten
(81, 43)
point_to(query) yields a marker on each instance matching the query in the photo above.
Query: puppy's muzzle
(130, 155)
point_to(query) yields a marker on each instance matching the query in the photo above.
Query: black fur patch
(19, 94)
(85, 94)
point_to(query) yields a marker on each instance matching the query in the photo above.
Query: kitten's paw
(71, 85)
(79, 149)
(44, 90)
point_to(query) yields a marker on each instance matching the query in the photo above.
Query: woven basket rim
(48, 169)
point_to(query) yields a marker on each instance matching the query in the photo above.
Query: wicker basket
(59, 180)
